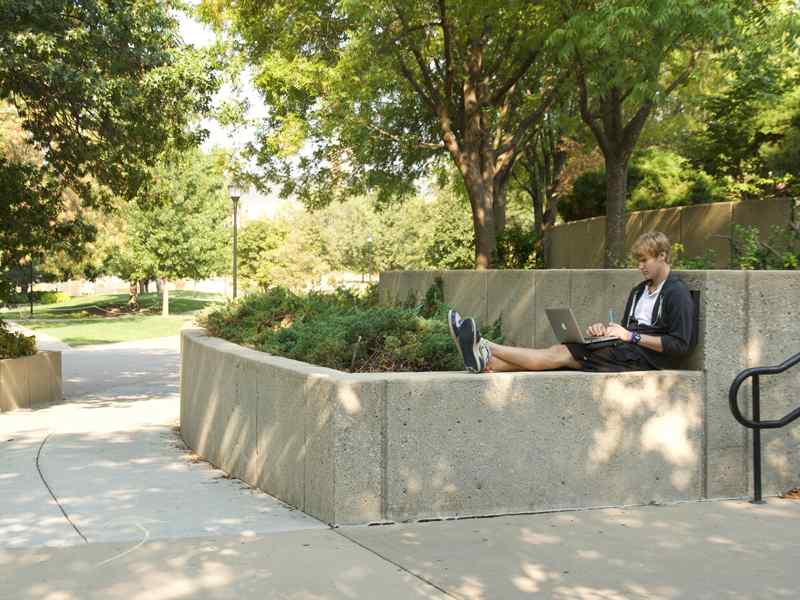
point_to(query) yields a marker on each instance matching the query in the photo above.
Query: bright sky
(252, 205)
(195, 33)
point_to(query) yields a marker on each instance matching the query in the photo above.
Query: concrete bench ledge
(30, 381)
(361, 448)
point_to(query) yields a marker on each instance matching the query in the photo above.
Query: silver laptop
(565, 326)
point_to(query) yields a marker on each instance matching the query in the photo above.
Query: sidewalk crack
(396, 564)
(49, 489)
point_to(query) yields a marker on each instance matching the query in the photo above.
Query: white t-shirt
(643, 312)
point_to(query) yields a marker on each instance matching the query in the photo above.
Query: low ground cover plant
(343, 330)
(15, 345)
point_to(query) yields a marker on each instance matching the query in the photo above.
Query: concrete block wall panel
(359, 406)
(388, 285)
(462, 445)
(319, 449)
(764, 214)
(559, 249)
(281, 432)
(225, 408)
(774, 336)
(13, 384)
(467, 292)
(585, 244)
(193, 396)
(240, 451)
(592, 248)
(511, 297)
(634, 227)
(706, 227)
(44, 378)
(30, 381)
(725, 330)
(551, 290)
(666, 220)
(414, 284)
(693, 226)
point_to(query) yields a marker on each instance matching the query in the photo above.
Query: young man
(657, 327)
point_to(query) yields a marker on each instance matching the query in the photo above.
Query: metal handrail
(756, 424)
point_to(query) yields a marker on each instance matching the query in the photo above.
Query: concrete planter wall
(360, 448)
(350, 448)
(30, 381)
(746, 319)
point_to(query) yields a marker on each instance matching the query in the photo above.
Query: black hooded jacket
(674, 320)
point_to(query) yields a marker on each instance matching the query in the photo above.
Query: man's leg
(509, 358)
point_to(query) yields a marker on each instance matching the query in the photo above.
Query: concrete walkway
(142, 521)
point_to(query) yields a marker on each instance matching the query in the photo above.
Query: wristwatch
(635, 337)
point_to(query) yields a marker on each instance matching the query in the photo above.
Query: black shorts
(619, 357)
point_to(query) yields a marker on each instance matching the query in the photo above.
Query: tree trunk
(133, 291)
(480, 198)
(616, 193)
(164, 298)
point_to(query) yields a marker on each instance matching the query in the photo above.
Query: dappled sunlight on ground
(313, 565)
(666, 552)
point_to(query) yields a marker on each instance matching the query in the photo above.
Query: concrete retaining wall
(580, 244)
(30, 381)
(350, 448)
(746, 319)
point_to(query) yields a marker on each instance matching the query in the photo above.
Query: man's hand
(596, 330)
(618, 331)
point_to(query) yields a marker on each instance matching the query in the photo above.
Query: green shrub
(666, 179)
(683, 262)
(15, 345)
(781, 251)
(39, 298)
(656, 179)
(343, 331)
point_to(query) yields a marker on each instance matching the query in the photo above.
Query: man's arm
(651, 342)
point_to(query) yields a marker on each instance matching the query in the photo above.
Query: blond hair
(651, 244)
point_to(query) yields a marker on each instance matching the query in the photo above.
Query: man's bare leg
(510, 358)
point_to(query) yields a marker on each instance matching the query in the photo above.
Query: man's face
(652, 267)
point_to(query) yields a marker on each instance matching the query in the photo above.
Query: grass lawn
(105, 319)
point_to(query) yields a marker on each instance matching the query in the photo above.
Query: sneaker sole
(453, 333)
(476, 357)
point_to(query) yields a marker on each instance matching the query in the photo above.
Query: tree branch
(448, 51)
(415, 84)
(514, 78)
(532, 118)
(426, 76)
(589, 117)
(400, 139)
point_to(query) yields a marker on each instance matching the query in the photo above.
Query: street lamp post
(235, 193)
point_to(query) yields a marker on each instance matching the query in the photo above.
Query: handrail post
(757, 499)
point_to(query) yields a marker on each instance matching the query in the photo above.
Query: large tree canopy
(94, 91)
(101, 86)
(176, 229)
(368, 94)
(628, 57)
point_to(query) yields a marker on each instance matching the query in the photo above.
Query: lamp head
(234, 191)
